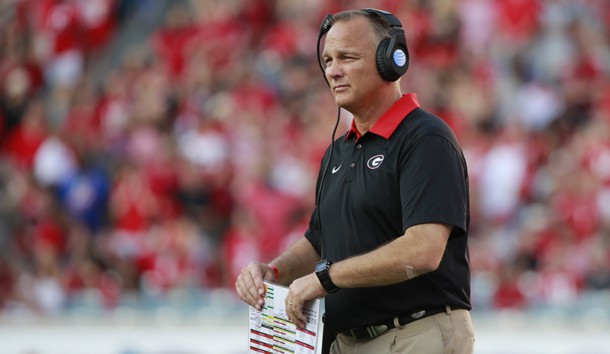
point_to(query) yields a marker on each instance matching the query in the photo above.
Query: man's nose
(333, 69)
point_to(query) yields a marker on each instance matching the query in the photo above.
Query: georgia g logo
(374, 162)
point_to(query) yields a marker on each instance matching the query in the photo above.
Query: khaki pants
(448, 332)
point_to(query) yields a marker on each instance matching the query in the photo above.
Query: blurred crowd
(198, 151)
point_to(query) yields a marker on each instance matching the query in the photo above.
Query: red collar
(388, 122)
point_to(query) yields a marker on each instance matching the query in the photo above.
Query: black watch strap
(322, 268)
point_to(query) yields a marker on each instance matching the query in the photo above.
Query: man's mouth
(340, 88)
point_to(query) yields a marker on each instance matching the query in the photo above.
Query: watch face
(321, 265)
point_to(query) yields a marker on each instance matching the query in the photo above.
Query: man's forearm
(300, 259)
(417, 252)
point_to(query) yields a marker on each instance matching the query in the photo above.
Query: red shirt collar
(388, 122)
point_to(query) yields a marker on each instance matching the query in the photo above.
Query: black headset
(392, 53)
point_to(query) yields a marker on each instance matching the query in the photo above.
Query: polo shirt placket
(355, 162)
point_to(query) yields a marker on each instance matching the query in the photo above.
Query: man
(388, 237)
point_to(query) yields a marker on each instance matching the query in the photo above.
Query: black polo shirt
(407, 170)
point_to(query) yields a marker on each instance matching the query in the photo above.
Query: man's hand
(301, 290)
(249, 284)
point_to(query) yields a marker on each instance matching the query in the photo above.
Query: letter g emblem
(374, 162)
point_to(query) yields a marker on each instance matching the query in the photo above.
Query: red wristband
(275, 270)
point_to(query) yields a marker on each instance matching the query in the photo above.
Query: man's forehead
(354, 33)
(351, 26)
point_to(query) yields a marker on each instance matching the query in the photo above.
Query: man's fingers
(250, 286)
(300, 318)
(243, 292)
(257, 279)
(294, 310)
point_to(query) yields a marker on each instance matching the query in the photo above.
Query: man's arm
(417, 252)
(298, 260)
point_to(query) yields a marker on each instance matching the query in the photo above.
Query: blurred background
(151, 149)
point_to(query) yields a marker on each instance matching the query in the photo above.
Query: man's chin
(343, 103)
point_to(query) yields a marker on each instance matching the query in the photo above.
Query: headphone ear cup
(385, 67)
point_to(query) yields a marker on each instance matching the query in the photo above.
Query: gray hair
(380, 25)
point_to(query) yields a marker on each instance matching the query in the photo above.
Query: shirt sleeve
(313, 232)
(434, 184)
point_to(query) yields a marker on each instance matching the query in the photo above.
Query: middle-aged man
(387, 242)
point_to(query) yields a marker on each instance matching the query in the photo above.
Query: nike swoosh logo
(335, 169)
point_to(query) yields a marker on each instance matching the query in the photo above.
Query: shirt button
(359, 146)
(352, 165)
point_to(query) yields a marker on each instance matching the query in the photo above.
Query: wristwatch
(322, 268)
